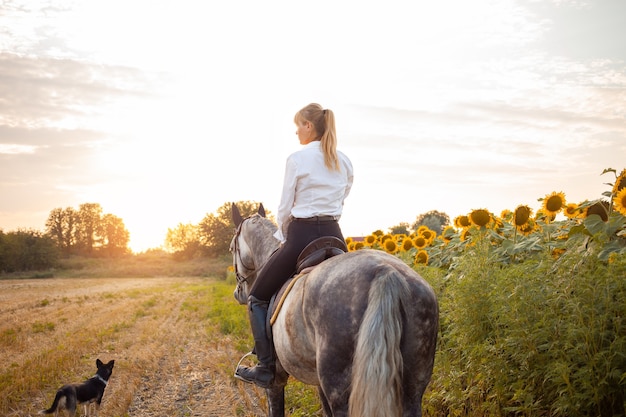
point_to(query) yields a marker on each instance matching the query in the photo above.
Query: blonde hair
(323, 121)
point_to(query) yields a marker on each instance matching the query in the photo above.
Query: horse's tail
(376, 388)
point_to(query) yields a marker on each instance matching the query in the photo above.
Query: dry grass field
(173, 357)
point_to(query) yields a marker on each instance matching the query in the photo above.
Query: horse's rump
(327, 312)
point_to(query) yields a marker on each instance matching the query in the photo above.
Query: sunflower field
(532, 307)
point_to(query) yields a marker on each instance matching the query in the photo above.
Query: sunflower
(390, 246)
(429, 235)
(620, 183)
(349, 240)
(421, 257)
(546, 217)
(378, 233)
(351, 246)
(399, 237)
(421, 229)
(370, 240)
(506, 215)
(407, 244)
(462, 221)
(571, 211)
(557, 252)
(528, 227)
(553, 203)
(420, 242)
(601, 208)
(465, 234)
(619, 201)
(358, 245)
(480, 217)
(385, 238)
(448, 233)
(521, 215)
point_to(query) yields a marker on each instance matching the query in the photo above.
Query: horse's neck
(262, 243)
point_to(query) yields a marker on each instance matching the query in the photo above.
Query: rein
(241, 279)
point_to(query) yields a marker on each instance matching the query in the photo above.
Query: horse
(361, 326)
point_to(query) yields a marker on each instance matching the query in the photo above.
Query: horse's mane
(261, 235)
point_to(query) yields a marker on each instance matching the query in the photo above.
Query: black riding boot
(263, 373)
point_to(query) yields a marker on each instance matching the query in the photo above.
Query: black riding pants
(282, 264)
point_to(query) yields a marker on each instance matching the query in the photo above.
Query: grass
(175, 339)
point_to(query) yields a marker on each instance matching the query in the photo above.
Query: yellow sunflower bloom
(554, 203)
(429, 235)
(480, 217)
(465, 234)
(601, 208)
(506, 215)
(421, 257)
(407, 244)
(448, 233)
(528, 227)
(349, 240)
(399, 237)
(390, 246)
(420, 242)
(385, 237)
(358, 245)
(571, 211)
(421, 229)
(370, 240)
(620, 182)
(462, 222)
(546, 217)
(521, 215)
(351, 246)
(619, 201)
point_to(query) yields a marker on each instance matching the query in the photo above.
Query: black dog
(90, 391)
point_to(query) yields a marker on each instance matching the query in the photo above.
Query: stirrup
(241, 360)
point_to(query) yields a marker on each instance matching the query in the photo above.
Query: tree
(216, 230)
(25, 250)
(400, 229)
(89, 215)
(113, 235)
(87, 231)
(434, 220)
(61, 227)
(183, 241)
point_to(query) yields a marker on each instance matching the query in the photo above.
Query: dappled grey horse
(361, 326)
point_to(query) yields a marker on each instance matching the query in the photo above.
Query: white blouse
(310, 189)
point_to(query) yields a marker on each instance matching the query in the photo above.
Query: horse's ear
(236, 215)
(261, 210)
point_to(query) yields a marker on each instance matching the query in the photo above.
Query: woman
(317, 180)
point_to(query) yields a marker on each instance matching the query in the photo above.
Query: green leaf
(595, 225)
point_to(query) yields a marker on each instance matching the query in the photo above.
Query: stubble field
(171, 357)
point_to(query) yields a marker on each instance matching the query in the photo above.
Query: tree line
(86, 231)
(212, 236)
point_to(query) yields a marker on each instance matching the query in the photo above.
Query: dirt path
(167, 361)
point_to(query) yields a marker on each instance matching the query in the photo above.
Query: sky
(161, 111)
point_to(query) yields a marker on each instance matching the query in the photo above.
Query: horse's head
(244, 261)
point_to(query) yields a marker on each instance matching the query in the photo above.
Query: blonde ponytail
(323, 121)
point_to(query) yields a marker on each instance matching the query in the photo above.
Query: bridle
(241, 278)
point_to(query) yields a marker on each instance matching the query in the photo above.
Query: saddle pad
(279, 298)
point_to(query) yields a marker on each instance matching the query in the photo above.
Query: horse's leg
(276, 400)
(325, 406)
(276, 393)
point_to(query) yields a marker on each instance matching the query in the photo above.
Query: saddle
(312, 255)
